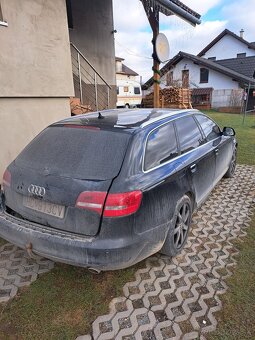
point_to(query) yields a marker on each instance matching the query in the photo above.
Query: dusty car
(106, 190)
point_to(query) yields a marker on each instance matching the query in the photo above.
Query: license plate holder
(44, 207)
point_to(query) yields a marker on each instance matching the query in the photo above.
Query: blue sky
(133, 37)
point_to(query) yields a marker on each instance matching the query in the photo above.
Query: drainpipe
(246, 104)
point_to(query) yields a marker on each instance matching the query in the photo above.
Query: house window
(125, 88)
(185, 79)
(204, 75)
(212, 58)
(169, 78)
(2, 22)
(137, 90)
(241, 55)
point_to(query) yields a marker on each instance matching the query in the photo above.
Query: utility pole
(153, 17)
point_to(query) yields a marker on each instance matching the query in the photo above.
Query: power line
(132, 52)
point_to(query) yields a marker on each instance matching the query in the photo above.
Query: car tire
(179, 229)
(127, 106)
(232, 167)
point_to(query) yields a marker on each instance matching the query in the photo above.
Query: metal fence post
(96, 94)
(108, 97)
(80, 82)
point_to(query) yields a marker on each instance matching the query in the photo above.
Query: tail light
(7, 178)
(91, 200)
(116, 205)
(122, 204)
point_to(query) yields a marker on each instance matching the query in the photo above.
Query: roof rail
(166, 115)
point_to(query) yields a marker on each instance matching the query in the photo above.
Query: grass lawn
(237, 318)
(245, 133)
(62, 304)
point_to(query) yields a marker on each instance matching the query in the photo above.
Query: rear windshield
(81, 153)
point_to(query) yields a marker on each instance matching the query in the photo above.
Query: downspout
(246, 104)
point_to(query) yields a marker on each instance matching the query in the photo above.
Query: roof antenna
(100, 116)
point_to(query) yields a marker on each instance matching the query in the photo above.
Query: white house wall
(228, 47)
(120, 76)
(226, 98)
(216, 80)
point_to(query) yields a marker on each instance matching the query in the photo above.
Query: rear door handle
(216, 151)
(193, 168)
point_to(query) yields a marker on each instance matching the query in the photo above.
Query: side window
(125, 88)
(161, 146)
(137, 90)
(189, 134)
(118, 90)
(204, 75)
(169, 78)
(211, 130)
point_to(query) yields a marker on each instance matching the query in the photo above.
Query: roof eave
(220, 36)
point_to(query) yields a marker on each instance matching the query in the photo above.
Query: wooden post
(153, 17)
(156, 64)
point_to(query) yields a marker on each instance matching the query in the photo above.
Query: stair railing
(89, 85)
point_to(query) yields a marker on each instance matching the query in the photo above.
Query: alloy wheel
(182, 225)
(233, 162)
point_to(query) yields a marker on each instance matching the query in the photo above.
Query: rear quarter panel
(161, 188)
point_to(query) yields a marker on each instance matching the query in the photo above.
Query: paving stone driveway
(17, 270)
(177, 298)
(170, 298)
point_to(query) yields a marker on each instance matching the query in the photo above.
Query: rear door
(198, 156)
(61, 178)
(221, 145)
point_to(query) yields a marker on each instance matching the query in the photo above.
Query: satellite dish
(162, 48)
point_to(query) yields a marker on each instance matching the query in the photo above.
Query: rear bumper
(89, 252)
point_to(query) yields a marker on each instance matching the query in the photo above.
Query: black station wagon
(106, 190)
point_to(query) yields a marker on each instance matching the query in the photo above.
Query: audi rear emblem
(36, 190)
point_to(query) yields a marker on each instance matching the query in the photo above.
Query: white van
(129, 93)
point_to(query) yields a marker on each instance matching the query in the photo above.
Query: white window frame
(2, 22)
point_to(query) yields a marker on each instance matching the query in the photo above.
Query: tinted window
(204, 75)
(189, 135)
(211, 130)
(161, 146)
(137, 90)
(76, 152)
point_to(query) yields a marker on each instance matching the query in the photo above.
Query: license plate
(44, 207)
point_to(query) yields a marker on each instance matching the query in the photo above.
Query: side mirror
(229, 132)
